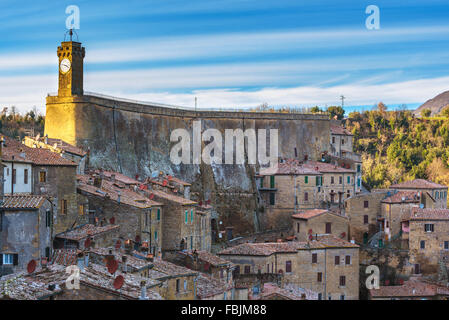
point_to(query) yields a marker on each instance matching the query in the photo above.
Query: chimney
(124, 267)
(143, 291)
(113, 177)
(128, 246)
(80, 261)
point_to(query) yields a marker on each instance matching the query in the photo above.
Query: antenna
(118, 282)
(342, 97)
(31, 266)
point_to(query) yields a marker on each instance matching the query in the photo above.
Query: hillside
(397, 146)
(435, 105)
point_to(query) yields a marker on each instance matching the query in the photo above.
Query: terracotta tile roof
(325, 167)
(418, 184)
(171, 197)
(37, 156)
(429, 214)
(132, 260)
(65, 257)
(118, 177)
(267, 249)
(335, 129)
(208, 257)
(171, 269)
(289, 167)
(410, 288)
(22, 202)
(403, 197)
(65, 146)
(85, 231)
(35, 286)
(208, 286)
(307, 214)
(289, 292)
(112, 190)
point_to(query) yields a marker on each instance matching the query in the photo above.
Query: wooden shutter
(319, 277)
(348, 260)
(337, 260)
(314, 258)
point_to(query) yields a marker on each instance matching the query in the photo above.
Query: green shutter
(155, 235)
(306, 179)
(187, 215)
(191, 215)
(158, 214)
(349, 179)
(272, 182)
(317, 181)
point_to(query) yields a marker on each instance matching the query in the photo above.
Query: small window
(366, 204)
(48, 218)
(340, 180)
(237, 270)
(306, 196)
(272, 199)
(446, 245)
(342, 281)
(320, 296)
(342, 141)
(328, 228)
(347, 259)
(63, 206)
(333, 139)
(8, 259)
(422, 244)
(247, 269)
(365, 219)
(185, 285)
(314, 258)
(319, 277)
(428, 227)
(177, 285)
(42, 176)
(332, 180)
(288, 266)
(342, 297)
(337, 260)
(25, 176)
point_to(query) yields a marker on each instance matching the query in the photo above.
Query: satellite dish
(31, 266)
(87, 243)
(112, 266)
(112, 220)
(118, 282)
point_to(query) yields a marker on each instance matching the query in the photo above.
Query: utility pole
(342, 97)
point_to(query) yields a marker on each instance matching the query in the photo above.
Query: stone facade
(363, 211)
(25, 232)
(318, 221)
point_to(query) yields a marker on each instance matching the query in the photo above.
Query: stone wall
(135, 138)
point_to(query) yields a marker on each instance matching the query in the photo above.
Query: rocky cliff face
(135, 139)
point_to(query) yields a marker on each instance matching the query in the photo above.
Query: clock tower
(71, 55)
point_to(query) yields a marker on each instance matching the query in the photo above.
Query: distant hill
(435, 104)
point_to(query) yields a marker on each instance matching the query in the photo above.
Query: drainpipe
(325, 274)
(12, 176)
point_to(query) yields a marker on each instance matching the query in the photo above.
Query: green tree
(337, 111)
(426, 112)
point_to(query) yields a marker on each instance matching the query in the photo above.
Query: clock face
(65, 65)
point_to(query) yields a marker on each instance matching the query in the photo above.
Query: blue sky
(233, 53)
